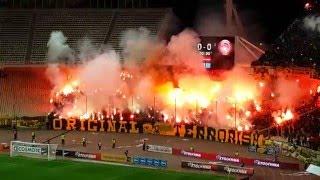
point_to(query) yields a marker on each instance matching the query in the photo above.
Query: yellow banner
(166, 129)
(113, 158)
(179, 130)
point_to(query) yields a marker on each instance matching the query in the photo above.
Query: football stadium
(162, 89)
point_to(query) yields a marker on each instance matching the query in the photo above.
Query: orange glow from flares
(85, 116)
(240, 128)
(70, 88)
(239, 98)
(258, 108)
(242, 95)
(261, 84)
(281, 117)
(195, 93)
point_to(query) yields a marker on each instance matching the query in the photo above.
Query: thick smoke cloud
(312, 23)
(151, 61)
(182, 51)
(98, 75)
(137, 44)
(99, 78)
(87, 50)
(289, 92)
(58, 49)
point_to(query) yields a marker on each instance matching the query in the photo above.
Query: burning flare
(281, 117)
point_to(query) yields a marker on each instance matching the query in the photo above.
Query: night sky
(272, 16)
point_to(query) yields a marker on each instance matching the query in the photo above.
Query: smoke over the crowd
(58, 50)
(289, 92)
(169, 77)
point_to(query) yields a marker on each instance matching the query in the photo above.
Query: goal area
(34, 150)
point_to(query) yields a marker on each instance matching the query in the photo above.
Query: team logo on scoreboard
(218, 52)
(225, 47)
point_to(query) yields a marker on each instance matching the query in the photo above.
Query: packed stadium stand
(297, 46)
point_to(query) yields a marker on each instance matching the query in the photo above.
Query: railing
(111, 26)
(48, 140)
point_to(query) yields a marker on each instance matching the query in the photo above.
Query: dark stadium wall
(85, 3)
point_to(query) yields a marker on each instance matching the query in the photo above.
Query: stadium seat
(14, 35)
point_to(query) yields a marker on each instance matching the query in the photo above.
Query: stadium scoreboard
(217, 52)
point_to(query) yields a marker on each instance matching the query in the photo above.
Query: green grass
(17, 168)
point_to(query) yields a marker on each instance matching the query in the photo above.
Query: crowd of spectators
(297, 46)
(304, 131)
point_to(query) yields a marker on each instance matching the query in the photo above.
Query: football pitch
(38, 169)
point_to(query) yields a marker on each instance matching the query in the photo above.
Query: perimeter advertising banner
(85, 155)
(217, 167)
(194, 154)
(27, 149)
(266, 163)
(179, 130)
(228, 159)
(196, 165)
(65, 153)
(233, 169)
(113, 158)
(159, 149)
(235, 160)
(145, 161)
